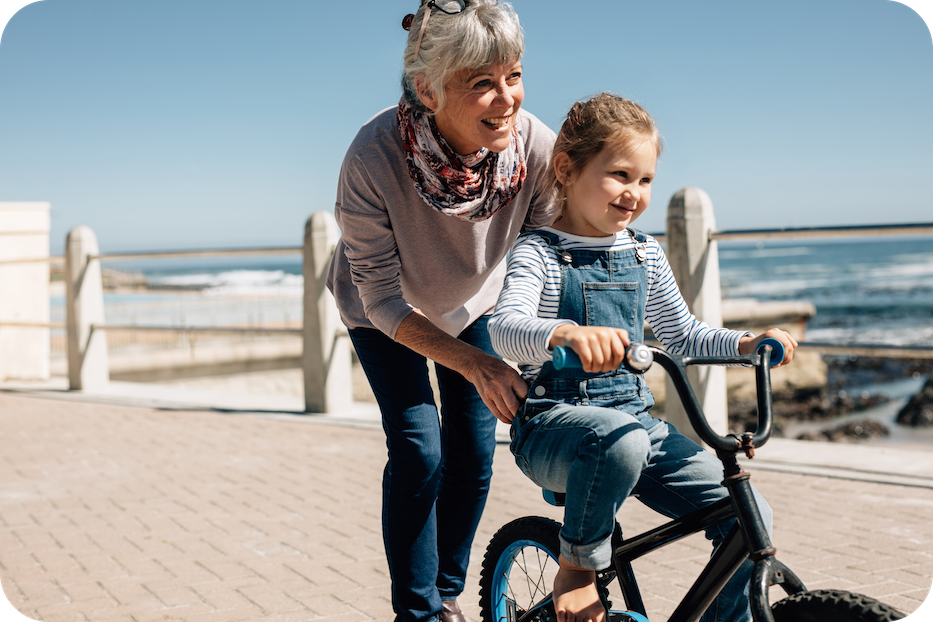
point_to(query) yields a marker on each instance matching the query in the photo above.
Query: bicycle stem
(674, 366)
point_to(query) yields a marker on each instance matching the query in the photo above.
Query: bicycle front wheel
(518, 570)
(832, 606)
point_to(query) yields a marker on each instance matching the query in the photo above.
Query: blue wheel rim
(518, 559)
(536, 574)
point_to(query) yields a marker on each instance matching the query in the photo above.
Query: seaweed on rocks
(849, 371)
(864, 430)
(844, 394)
(811, 404)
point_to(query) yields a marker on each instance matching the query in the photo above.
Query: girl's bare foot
(576, 598)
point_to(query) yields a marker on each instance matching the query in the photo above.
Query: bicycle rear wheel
(832, 606)
(518, 570)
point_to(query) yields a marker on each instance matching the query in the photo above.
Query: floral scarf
(471, 187)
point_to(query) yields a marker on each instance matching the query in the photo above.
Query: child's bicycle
(521, 559)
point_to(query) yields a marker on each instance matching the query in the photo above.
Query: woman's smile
(481, 108)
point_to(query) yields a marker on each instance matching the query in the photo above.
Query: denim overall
(591, 436)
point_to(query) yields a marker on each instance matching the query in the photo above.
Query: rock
(803, 405)
(919, 410)
(866, 429)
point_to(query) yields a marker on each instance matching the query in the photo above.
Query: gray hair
(486, 33)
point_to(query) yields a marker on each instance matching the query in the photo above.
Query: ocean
(865, 290)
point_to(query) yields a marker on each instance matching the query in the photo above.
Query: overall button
(540, 390)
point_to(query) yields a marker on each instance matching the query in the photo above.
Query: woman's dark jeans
(437, 477)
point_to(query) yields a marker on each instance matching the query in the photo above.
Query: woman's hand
(748, 344)
(501, 387)
(600, 348)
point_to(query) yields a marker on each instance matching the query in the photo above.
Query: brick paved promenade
(112, 512)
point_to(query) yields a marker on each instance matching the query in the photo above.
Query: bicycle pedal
(626, 616)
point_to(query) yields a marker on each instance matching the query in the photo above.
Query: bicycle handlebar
(639, 357)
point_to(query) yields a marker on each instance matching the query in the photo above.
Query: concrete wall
(24, 290)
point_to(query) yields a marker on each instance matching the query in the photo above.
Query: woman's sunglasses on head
(449, 7)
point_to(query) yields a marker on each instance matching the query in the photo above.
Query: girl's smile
(610, 192)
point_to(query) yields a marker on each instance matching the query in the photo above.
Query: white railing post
(326, 357)
(694, 259)
(24, 291)
(88, 366)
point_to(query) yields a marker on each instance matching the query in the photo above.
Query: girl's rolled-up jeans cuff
(595, 556)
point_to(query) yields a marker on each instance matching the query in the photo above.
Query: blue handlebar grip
(565, 357)
(778, 349)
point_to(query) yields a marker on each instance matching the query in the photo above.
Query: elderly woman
(431, 195)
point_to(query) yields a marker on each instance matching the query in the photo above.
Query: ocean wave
(877, 335)
(234, 282)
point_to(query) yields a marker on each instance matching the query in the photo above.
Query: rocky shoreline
(845, 394)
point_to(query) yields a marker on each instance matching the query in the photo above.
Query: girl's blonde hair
(594, 123)
(485, 33)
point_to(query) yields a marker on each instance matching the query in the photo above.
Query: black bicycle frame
(748, 538)
(729, 555)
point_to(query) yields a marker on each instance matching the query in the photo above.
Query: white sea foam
(236, 282)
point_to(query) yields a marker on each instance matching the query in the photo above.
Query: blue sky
(209, 123)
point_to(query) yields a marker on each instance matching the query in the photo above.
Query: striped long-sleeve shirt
(526, 314)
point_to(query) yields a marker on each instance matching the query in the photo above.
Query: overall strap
(549, 237)
(552, 240)
(637, 235)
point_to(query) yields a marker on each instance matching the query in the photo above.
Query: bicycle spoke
(533, 572)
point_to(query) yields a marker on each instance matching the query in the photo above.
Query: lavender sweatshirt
(397, 253)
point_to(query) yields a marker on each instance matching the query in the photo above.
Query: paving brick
(324, 605)
(230, 615)
(375, 606)
(223, 599)
(112, 511)
(272, 599)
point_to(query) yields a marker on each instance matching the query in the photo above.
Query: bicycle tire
(518, 569)
(518, 572)
(832, 606)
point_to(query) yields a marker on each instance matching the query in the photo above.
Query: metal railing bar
(735, 234)
(824, 232)
(199, 329)
(219, 252)
(33, 324)
(33, 260)
(870, 349)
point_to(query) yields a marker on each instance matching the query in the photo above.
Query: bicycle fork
(768, 570)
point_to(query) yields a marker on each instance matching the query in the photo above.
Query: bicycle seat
(554, 498)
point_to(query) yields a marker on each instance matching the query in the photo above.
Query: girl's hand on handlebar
(600, 348)
(748, 344)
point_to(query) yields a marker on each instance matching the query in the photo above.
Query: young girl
(589, 282)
